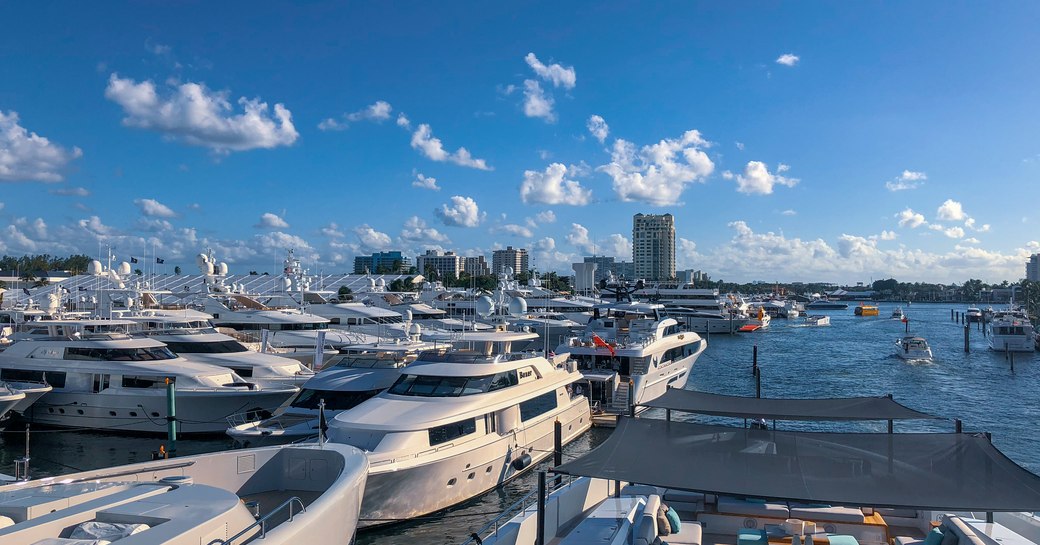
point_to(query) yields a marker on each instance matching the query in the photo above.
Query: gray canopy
(847, 408)
(939, 471)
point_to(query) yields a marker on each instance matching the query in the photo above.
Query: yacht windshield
(215, 347)
(119, 354)
(431, 386)
(334, 400)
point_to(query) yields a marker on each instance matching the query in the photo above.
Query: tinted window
(443, 434)
(431, 386)
(54, 378)
(119, 354)
(334, 400)
(143, 382)
(218, 347)
(537, 406)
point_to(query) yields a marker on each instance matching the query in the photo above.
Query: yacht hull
(197, 411)
(394, 494)
(715, 325)
(1018, 343)
(33, 392)
(675, 375)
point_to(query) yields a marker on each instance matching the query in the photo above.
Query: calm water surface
(854, 356)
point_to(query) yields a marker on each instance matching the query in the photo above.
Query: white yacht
(9, 398)
(355, 375)
(458, 423)
(817, 320)
(913, 348)
(703, 310)
(189, 334)
(104, 379)
(1011, 331)
(973, 314)
(276, 496)
(629, 354)
(897, 314)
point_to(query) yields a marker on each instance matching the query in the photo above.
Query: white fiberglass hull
(396, 494)
(675, 375)
(198, 411)
(715, 325)
(1012, 343)
(33, 392)
(9, 401)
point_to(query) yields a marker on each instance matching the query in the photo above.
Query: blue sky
(792, 141)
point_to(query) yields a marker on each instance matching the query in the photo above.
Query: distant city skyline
(791, 141)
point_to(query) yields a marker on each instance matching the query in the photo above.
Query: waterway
(854, 356)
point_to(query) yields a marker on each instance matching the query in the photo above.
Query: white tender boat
(102, 378)
(913, 348)
(9, 399)
(459, 423)
(1011, 331)
(629, 354)
(817, 320)
(897, 314)
(276, 496)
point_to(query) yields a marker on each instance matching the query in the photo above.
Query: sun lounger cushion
(827, 514)
(735, 506)
(674, 524)
(842, 540)
(907, 540)
(66, 541)
(6, 521)
(934, 537)
(663, 526)
(903, 513)
(689, 535)
(106, 530)
(749, 536)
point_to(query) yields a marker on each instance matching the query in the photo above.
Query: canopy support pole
(540, 536)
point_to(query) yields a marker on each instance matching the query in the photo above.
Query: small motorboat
(974, 314)
(817, 320)
(897, 314)
(913, 348)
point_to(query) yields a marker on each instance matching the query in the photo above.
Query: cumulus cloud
(193, 114)
(559, 75)
(379, 112)
(618, 246)
(788, 59)
(888, 235)
(657, 174)
(370, 239)
(332, 230)
(70, 192)
(416, 231)
(954, 232)
(547, 216)
(403, 122)
(545, 253)
(513, 230)
(537, 103)
(579, 238)
(686, 253)
(425, 182)
(27, 156)
(553, 187)
(430, 146)
(270, 220)
(911, 219)
(460, 212)
(907, 180)
(951, 210)
(757, 180)
(598, 128)
(789, 212)
(154, 208)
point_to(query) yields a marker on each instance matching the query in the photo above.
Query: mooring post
(1012, 362)
(958, 425)
(539, 538)
(754, 360)
(967, 333)
(951, 315)
(758, 383)
(171, 416)
(558, 449)
(906, 322)
(891, 429)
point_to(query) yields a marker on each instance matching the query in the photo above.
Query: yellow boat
(867, 310)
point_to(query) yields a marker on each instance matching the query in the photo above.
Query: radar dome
(485, 306)
(52, 303)
(222, 269)
(380, 283)
(124, 268)
(415, 330)
(201, 260)
(286, 283)
(408, 315)
(517, 307)
(94, 268)
(508, 271)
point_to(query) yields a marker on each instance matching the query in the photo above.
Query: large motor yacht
(1011, 331)
(104, 379)
(276, 496)
(351, 377)
(458, 423)
(189, 334)
(629, 354)
(702, 310)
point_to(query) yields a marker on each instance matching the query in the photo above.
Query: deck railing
(262, 521)
(520, 506)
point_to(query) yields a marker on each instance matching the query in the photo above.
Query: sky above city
(801, 141)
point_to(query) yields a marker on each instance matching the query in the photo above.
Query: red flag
(600, 342)
(905, 319)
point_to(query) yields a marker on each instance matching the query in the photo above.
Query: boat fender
(521, 462)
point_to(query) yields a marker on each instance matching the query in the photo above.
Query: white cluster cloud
(332, 230)
(269, 220)
(425, 182)
(951, 210)
(379, 112)
(911, 219)
(788, 59)
(579, 238)
(598, 128)
(27, 156)
(370, 239)
(196, 115)
(553, 187)
(907, 180)
(559, 75)
(686, 253)
(461, 212)
(416, 231)
(888, 235)
(547, 216)
(657, 174)
(430, 146)
(615, 244)
(154, 208)
(537, 103)
(757, 180)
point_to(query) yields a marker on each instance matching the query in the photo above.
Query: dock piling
(754, 360)
(539, 537)
(967, 338)
(758, 383)
(171, 416)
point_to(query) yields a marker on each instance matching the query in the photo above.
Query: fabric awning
(938, 471)
(849, 408)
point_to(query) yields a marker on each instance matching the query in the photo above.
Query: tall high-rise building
(443, 264)
(1033, 268)
(515, 258)
(653, 246)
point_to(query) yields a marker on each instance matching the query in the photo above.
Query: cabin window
(449, 432)
(140, 381)
(243, 371)
(431, 386)
(216, 347)
(101, 382)
(119, 354)
(537, 406)
(334, 400)
(54, 378)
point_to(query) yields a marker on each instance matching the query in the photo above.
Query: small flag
(905, 319)
(26, 290)
(133, 259)
(600, 342)
(81, 288)
(160, 260)
(323, 424)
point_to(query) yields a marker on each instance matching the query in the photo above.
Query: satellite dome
(380, 283)
(94, 268)
(222, 269)
(517, 307)
(485, 306)
(124, 268)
